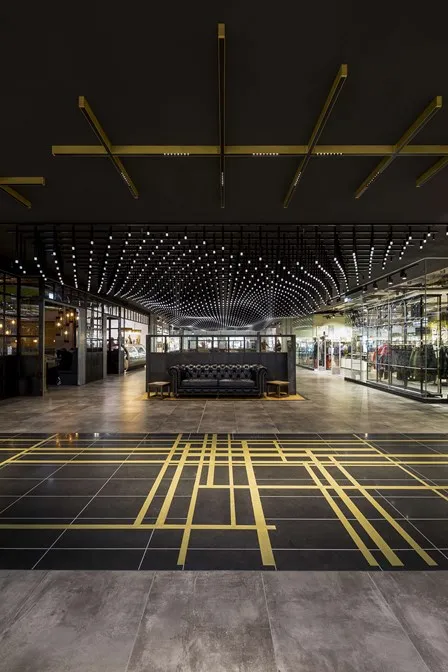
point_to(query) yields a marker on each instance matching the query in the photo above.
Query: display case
(402, 343)
(136, 356)
(306, 353)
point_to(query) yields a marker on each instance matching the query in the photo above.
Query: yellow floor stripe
(428, 486)
(360, 517)
(194, 495)
(280, 451)
(172, 489)
(407, 537)
(231, 483)
(26, 450)
(345, 522)
(211, 468)
(155, 485)
(267, 555)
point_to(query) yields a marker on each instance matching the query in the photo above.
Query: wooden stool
(159, 386)
(278, 384)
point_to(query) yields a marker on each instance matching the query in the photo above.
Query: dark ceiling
(149, 71)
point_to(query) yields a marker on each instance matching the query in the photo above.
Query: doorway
(61, 345)
(116, 360)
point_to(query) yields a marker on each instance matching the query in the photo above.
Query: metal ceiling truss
(222, 151)
(7, 182)
(219, 276)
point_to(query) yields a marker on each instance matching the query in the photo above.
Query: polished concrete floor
(233, 621)
(223, 621)
(117, 405)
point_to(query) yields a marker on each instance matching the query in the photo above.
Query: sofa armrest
(174, 373)
(262, 374)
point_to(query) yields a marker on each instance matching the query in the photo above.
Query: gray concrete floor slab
(223, 621)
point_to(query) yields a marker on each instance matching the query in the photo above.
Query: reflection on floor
(116, 405)
(221, 501)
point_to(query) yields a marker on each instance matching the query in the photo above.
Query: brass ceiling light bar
(205, 151)
(107, 145)
(6, 182)
(221, 108)
(405, 139)
(319, 127)
(221, 150)
(432, 172)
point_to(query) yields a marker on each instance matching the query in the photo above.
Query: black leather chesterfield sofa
(218, 379)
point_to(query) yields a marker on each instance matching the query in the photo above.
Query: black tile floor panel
(224, 501)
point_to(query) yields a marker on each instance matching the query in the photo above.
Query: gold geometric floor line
(324, 466)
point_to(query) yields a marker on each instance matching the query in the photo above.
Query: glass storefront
(34, 350)
(9, 334)
(395, 338)
(403, 344)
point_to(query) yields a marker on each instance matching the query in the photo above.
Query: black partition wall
(276, 353)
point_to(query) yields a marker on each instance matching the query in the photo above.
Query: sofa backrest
(219, 371)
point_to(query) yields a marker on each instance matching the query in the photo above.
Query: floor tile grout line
(391, 610)
(83, 509)
(274, 651)
(145, 550)
(25, 494)
(202, 416)
(137, 632)
(409, 520)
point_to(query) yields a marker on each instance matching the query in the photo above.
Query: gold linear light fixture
(412, 131)
(222, 108)
(7, 182)
(432, 172)
(245, 151)
(107, 145)
(223, 151)
(319, 127)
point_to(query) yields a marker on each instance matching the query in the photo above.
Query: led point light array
(58, 270)
(355, 262)
(341, 270)
(405, 245)
(372, 252)
(387, 252)
(39, 268)
(89, 279)
(105, 269)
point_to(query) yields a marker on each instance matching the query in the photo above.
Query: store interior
(395, 338)
(126, 345)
